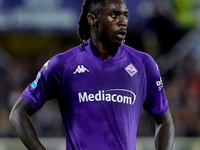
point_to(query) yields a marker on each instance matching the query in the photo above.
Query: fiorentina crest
(131, 70)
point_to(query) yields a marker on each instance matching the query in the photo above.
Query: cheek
(108, 31)
(107, 26)
(110, 19)
(111, 22)
(107, 22)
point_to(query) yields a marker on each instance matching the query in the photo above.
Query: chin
(119, 42)
(115, 42)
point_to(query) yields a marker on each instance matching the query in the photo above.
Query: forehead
(115, 5)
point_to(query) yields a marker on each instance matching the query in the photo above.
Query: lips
(121, 34)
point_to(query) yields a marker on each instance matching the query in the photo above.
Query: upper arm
(164, 119)
(22, 107)
(46, 86)
(156, 102)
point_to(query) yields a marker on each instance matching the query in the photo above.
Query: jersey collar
(91, 50)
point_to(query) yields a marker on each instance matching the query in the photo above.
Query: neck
(105, 50)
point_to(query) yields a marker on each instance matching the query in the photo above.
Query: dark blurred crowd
(160, 27)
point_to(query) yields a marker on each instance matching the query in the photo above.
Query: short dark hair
(89, 6)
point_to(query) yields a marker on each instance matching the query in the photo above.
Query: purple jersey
(100, 101)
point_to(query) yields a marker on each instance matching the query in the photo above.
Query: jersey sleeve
(46, 86)
(156, 102)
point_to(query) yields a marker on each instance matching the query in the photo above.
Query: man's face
(112, 22)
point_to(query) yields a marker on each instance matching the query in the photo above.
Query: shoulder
(147, 62)
(143, 57)
(67, 55)
(58, 62)
(63, 58)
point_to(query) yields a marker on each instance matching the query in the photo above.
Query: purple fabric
(100, 101)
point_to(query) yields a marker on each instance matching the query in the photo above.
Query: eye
(114, 14)
(126, 16)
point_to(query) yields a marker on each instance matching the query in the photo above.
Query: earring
(85, 42)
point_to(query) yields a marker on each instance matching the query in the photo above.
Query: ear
(91, 19)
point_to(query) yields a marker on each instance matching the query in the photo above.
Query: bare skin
(108, 29)
(164, 136)
(22, 125)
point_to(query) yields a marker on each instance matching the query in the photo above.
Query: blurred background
(33, 31)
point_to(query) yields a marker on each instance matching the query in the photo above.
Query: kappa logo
(46, 64)
(81, 69)
(131, 70)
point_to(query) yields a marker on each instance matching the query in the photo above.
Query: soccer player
(101, 87)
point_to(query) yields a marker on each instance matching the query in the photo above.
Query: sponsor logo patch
(122, 96)
(34, 83)
(131, 70)
(159, 84)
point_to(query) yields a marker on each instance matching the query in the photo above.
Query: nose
(123, 21)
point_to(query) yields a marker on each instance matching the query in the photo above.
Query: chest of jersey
(101, 98)
(89, 79)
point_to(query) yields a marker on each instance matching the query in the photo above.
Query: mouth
(121, 34)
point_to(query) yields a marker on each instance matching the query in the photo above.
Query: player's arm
(164, 132)
(21, 123)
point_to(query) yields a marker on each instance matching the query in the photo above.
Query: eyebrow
(114, 10)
